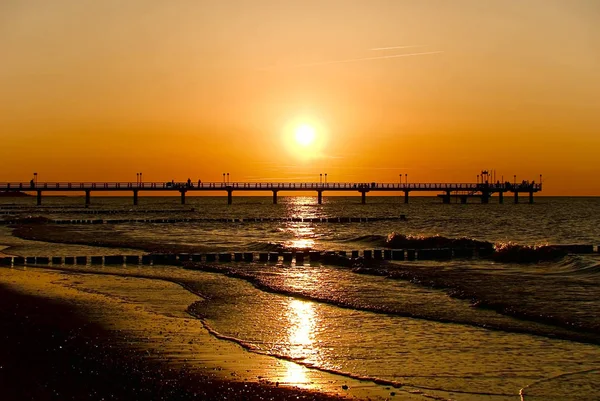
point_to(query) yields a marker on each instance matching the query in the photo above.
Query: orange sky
(101, 90)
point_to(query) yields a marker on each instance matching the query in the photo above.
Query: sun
(305, 138)
(305, 135)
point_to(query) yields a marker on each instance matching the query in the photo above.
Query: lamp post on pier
(35, 178)
(228, 178)
(321, 178)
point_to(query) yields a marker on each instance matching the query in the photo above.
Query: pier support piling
(135, 197)
(530, 197)
(39, 198)
(405, 196)
(274, 197)
(320, 197)
(363, 197)
(229, 196)
(446, 199)
(501, 197)
(183, 197)
(516, 197)
(485, 197)
(87, 197)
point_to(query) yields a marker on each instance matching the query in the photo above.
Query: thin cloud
(287, 179)
(354, 60)
(375, 168)
(395, 47)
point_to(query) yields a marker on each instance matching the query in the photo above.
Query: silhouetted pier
(446, 191)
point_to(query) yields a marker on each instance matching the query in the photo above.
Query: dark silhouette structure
(461, 191)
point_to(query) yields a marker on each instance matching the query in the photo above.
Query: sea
(505, 315)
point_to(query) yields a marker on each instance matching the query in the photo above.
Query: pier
(446, 191)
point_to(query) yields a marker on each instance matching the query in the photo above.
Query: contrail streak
(352, 60)
(395, 47)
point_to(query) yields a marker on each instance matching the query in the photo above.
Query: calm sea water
(465, 329)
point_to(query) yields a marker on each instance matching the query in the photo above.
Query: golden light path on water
(302, 320)
(303, 233)
(302, 326)
(300, 314)
(301, 243)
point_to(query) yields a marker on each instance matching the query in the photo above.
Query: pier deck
(448, 190)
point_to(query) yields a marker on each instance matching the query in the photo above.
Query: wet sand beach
(83, 336)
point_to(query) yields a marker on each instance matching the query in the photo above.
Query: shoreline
(159, 348)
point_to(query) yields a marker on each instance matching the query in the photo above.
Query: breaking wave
(396, 240)
(515, 253)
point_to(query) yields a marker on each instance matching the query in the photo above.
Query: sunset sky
(436, 89)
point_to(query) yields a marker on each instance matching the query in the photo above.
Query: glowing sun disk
(305, 135)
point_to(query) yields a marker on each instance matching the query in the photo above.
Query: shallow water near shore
(465, 329)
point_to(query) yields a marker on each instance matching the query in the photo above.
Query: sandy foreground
(131, 338)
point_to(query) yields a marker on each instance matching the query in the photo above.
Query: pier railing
(25, 186)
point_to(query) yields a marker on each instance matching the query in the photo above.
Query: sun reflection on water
(301, 315)
(300, 243)
(302, 207)
(302, 233)
(301, 333)
(297, 375)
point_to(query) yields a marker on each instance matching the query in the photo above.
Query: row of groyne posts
(401, 217)
(298, 257)
(462, 191)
